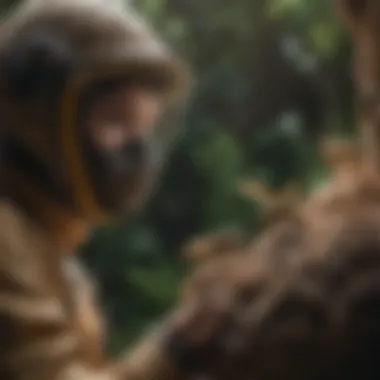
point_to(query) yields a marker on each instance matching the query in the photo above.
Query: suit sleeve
(38, 339)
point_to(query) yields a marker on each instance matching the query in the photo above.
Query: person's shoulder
(20, 241)
(13, 224)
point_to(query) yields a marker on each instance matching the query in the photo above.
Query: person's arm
(39, 340)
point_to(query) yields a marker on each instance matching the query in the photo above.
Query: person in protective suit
(87, 97)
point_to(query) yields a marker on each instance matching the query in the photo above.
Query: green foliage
(161, 282)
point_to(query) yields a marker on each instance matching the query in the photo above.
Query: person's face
(119, 133)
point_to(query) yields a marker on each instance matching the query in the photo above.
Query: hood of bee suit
(106, 39)
(118, 35)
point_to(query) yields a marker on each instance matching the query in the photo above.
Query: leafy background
(273, 77)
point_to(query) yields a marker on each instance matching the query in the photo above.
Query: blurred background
(273, 78)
